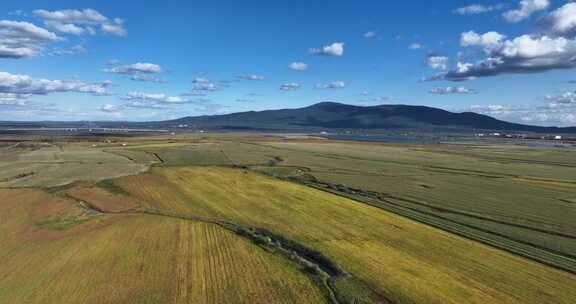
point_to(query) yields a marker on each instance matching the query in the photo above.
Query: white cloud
(77, 49)
(335, 49)
(72, 16)
(452, 90)
(558, 109)
(146, 78)
(298, 66)
(115, 29)
(415, 46)
(332, 85)
(369, 35)
(109, 108)
(292, 86)
(475, 9)
(523, 54)
(525, 10)
(136, 68)
(68, 20)
(67, 28)
(488, 41)
(437, 62)
(562, 21)
(24, 84)
(20, 39)
(151, 100)
(205, 86)
(251, 77)
(565, 98)
(200, 80)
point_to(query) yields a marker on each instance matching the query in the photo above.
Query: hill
(331, 115)
(320, 116)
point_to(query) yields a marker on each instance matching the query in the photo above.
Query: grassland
(402, 260)
(159, 236)
(49, 164)
(132, 259)
(517, 198)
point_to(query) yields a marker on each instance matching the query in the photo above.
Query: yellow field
(406, 261)
(46, 257)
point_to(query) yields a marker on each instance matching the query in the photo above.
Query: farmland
(248, 218)
(55, 252)
(47, 164)
(407, 261)
(517, 198)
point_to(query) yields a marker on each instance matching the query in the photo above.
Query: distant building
(558, 137)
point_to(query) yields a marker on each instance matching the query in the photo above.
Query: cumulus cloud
(67, 28)
(136, 68)
(24, 85)
(78, 22)
(332, 85)
(291, 86)
(298, 66)
(525, 9)
(523, 54)
(489, 41)
(437, 62)
(452, 90)
(115, 28)
(336, 49)
(565, 98)
(251, 77)
(19, 39)
(475, 9)
(86, 16)
(562, 21)
(557, 109)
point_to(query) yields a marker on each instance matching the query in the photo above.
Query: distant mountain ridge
(332, 115)
(321, 116)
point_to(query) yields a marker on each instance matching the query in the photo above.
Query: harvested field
(134, 259)
(406, 261)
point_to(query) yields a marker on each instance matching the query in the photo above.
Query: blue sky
(115, 60)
